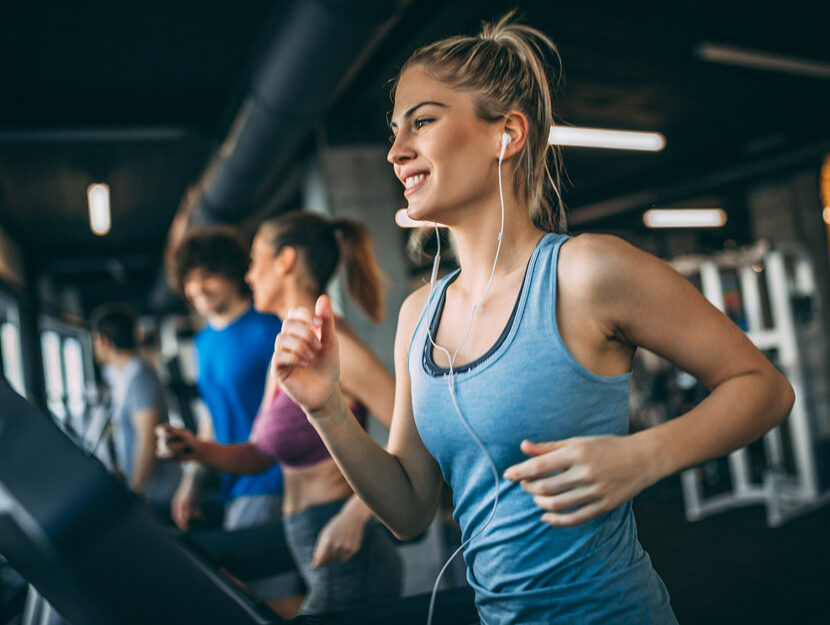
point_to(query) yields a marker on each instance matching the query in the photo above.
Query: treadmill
(91, 547)
(99, 556)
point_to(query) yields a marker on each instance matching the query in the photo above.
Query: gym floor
(732, 568)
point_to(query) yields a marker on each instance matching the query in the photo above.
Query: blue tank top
(529, 386)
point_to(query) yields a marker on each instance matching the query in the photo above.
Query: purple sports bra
(282, 431)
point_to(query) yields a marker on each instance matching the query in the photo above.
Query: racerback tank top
(529, 386)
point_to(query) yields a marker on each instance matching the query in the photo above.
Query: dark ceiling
(141, 95)
(633, 66)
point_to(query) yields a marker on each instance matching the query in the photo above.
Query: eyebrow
(409, 113)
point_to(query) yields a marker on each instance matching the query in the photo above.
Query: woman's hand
(341, 538)
(306, 358)
(578, 479)
(177, 444)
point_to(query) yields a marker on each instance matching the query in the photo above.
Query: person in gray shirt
(138, 405)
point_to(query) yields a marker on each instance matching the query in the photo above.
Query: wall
(11, 262)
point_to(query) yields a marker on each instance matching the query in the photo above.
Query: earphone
(505, 140)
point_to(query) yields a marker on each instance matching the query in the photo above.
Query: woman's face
(262, 275)
(443, 153)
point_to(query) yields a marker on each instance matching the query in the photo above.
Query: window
(11, 352)
(67, 371)
(12, 356)
(53, 373)
(73, 363)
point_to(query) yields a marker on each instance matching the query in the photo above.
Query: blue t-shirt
(233, 366)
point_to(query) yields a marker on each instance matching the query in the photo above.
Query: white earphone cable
(451, 376)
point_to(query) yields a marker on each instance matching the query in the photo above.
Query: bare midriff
(305, 487)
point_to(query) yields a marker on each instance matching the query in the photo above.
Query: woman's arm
(271, 384)
(182, 445)
(363, 376)
(401, 485)
(342, 536)
(635, 299)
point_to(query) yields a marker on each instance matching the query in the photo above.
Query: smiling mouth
(413, 183)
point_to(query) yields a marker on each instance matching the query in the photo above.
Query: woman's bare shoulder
(595, 249)
(591, 263)
(411, 310)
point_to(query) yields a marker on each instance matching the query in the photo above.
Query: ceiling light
(732, 55)
(98, 195)
(684, 218)
(600, 138)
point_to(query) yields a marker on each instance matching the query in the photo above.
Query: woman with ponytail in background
(513, 373)
(344, 555)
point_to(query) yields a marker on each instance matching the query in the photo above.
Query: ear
(286, 259)
(514, 124)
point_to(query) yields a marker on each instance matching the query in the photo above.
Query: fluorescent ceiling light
(684, 218)
(600, 138)
(732, 55)
(98, 195)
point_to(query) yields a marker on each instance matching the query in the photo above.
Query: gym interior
(713, 154)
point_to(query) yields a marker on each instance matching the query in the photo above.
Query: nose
(401, 150)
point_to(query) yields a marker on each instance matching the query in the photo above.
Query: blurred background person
(345, 556)
(138, 405)
(233, 351)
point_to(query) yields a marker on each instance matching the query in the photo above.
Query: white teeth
(413, 180)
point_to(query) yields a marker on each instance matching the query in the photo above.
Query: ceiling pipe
(312, 52)
(96, 135)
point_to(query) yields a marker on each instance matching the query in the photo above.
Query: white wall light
(403, 220)
(98, 195)
(684, 218)
(600, 138)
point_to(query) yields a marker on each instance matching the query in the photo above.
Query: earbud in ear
(505, 139)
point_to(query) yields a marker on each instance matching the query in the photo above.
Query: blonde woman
(528, 402)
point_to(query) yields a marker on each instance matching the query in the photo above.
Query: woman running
(513, 372)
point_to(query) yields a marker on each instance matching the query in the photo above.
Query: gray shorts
(372, 574)
(251, 510)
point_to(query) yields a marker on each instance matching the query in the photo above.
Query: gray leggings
(370, 575)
